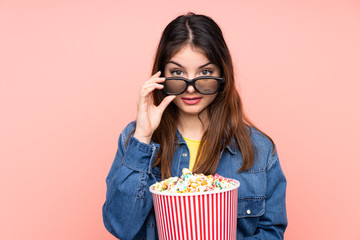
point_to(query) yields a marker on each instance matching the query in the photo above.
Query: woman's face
(190, 63)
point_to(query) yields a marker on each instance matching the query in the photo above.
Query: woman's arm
(128, 201)
(273, 223)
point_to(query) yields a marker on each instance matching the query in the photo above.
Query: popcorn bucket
(199, 215)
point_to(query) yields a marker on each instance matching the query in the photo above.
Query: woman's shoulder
(263, 143)
(259, 137)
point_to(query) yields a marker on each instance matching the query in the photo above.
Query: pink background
(70, 73)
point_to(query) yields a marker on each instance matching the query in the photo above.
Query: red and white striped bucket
(206, 215)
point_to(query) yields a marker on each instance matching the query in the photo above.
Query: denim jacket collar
(231, 148)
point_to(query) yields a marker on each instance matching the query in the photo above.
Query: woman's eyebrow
(183, 67)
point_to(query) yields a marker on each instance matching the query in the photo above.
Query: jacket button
(248, 212)
(184, 154)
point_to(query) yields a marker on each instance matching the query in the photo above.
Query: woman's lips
(191, 101)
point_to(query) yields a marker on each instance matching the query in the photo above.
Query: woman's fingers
(165, 102)
(148, 88)
(152, 84)
(156, 78)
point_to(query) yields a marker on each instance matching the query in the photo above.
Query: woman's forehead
(189, 56)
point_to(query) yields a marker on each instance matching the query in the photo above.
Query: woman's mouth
(191, 101)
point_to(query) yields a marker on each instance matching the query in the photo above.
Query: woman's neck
(191, 127)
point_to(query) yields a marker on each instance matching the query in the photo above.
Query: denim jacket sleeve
(273, 223)
(128, 203)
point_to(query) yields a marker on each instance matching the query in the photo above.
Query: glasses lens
(206, 86)
(175, 86)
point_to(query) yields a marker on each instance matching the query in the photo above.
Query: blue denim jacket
(128, 211)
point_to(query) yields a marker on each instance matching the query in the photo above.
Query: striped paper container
(207, 215)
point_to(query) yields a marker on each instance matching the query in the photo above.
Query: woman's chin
(190, 110)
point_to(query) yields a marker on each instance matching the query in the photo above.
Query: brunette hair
(226, 114)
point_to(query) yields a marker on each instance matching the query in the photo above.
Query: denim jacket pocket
(251, 207)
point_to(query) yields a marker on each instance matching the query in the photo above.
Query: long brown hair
(226, 114)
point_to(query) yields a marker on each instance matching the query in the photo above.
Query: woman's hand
(149, 115)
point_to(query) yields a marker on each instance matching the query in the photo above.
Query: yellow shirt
(193, 146)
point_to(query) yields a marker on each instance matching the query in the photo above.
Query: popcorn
(190, 183)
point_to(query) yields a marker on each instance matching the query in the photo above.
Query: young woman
(190, 115)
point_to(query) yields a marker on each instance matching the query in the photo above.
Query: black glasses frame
(191, 82)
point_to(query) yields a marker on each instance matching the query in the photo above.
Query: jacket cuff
(140, 156)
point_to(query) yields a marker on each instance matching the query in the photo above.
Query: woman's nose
(190, 89)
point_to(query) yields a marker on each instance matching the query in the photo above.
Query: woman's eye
(207, 71)
(176, 72)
